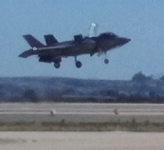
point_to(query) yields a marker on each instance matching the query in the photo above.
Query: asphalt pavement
(80, 112)
(81, 140)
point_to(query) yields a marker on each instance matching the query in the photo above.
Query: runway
(80, 112)
(81, 140)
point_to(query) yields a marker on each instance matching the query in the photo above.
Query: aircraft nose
(124, 41)
(128, 40)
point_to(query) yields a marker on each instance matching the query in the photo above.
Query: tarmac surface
(80, 112)
(81, 140)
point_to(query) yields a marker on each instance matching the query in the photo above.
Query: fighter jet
(54, 51)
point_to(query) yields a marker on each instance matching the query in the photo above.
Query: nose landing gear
(77, 63)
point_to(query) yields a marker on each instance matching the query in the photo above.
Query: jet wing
(57, 47)
(44, 51)
(60, 50)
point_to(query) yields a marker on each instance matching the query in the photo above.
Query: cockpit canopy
(108, 34)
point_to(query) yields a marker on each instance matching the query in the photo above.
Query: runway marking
(84, 113)
(83, 110)
(110, 113)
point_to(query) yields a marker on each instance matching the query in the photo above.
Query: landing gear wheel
(106, 61)
(78, 64)
(57, 65)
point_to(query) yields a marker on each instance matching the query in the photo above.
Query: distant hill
(35, 89)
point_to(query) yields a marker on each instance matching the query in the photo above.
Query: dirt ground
(81, 140)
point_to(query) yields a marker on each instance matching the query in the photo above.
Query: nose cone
(127, 40)
(123, 41)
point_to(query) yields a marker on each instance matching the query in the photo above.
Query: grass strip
(68, 126)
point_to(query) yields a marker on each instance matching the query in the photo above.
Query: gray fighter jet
(54, 51)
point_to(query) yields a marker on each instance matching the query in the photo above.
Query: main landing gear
(106, 61)
(77, 63)
(57, 63)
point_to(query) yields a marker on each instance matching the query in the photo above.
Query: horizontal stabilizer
(33, 42)
(27, 53)
(50, 39)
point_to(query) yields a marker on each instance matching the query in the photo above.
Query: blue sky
(141, 20)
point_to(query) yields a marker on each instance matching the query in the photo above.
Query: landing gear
(78, 63)
(106, 61)
(57, 63)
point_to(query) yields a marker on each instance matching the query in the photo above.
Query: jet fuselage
(54, 51)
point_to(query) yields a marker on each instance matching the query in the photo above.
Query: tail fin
(33, 42)
(50, 39)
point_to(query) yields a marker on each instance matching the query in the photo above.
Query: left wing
(52, 50)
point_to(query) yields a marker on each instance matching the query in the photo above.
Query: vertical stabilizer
(50, 39)
(33, 42)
